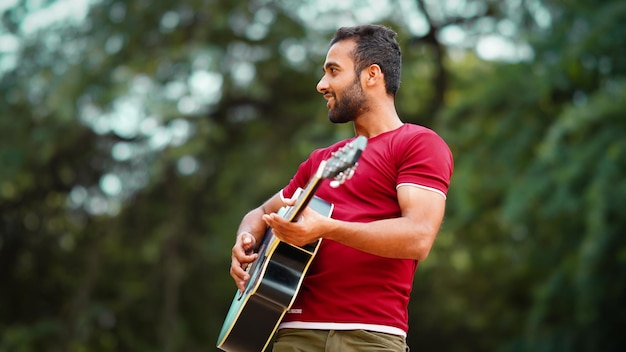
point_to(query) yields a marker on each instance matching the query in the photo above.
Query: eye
(331, 69)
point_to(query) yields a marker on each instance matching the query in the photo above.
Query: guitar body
(275, 279)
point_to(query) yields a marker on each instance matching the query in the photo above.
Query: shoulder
(411, 137)
(424, 158)
(409, 130)
(325, 152)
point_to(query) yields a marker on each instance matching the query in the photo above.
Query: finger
(238, 272)
(239, 275)
(240, 262)
(271, 220)
(294, 197)
(309, 213)
(274, 220)
(240, 283)
(248, 242)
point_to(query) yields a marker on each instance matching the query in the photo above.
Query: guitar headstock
(340, 167)
(342, 163)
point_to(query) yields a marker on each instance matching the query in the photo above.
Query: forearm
(394, 238)
(253, 223)
(410, 235)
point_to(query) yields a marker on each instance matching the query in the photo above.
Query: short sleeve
(425, 160)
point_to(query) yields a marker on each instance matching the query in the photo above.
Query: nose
(322, 85)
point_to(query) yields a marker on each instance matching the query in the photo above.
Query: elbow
(421, 253)
(423, 244)
(419, 250)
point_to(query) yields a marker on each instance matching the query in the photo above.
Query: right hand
(243, 255)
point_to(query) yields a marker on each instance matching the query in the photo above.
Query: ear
(373, 75)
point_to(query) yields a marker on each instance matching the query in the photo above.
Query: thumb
(291, 201)
(247, 240)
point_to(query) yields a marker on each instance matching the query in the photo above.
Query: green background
(134, 135)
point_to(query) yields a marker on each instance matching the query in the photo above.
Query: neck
(377, 121)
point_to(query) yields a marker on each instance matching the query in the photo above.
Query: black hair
(375, 44)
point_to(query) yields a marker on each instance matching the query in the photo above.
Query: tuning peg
(335, 183)
(338, 180)
(351, 171)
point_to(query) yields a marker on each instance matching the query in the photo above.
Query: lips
(329, 99)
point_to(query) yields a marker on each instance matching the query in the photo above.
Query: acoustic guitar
(277, 274)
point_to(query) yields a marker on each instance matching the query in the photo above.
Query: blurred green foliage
(134, 140)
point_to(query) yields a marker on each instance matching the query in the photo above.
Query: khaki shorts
(299, 340)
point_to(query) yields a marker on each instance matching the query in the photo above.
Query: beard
(350, 105)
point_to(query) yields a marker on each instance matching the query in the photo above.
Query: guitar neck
(293, 213)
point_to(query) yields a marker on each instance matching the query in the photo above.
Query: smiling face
(340, 85)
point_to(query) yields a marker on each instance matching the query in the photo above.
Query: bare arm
(408, 236)
(249, 237)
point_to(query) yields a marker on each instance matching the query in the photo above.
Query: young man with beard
(385, 218)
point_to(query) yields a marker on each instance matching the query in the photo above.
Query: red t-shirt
(346, 288)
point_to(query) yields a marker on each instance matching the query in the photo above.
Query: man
(386, 217)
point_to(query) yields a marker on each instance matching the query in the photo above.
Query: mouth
(330, 98)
